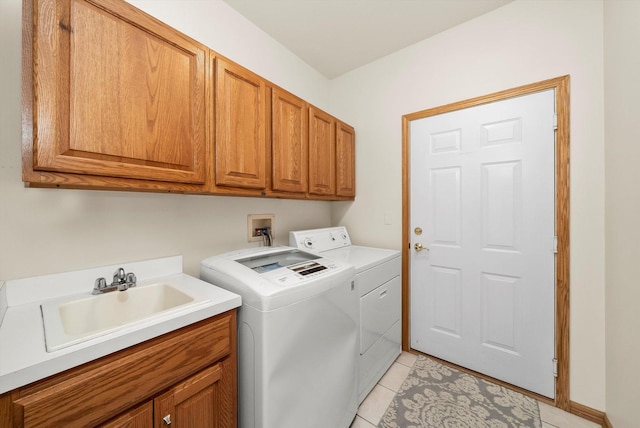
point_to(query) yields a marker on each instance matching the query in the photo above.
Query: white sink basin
(73, 320)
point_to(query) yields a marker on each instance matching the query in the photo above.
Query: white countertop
(23, 355)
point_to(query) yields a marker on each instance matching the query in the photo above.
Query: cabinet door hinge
(555, 245)
(555, 367)
(555, 121)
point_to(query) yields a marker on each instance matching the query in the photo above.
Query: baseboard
(590, 414)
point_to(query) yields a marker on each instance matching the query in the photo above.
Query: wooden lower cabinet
(192, 403)
(186, 378)
(198, 402)
(139, 417)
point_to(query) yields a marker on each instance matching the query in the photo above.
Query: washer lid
(262, 263)
(259, 277)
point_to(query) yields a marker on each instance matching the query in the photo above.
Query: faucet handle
(100, 285)
(119, 275)
(131, 279)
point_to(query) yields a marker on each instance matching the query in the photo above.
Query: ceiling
(337, 36)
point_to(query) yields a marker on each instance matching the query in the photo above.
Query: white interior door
(482, 191)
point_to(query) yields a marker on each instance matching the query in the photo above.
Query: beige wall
(46, 230)
(622, 154)
(522, 42)
(53, 230)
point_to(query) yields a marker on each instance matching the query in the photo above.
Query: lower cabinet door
(139, 417)
(194, 403)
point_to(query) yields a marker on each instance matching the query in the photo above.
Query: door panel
(501, 305)
(446, 205)
(501, 206)
(447, 286)
(482, 189)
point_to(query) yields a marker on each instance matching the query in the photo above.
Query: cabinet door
(140, 417)
(289, 142)
(322, 153)
(194, 403)
(116, 93)
(240, 146)
(345, 160)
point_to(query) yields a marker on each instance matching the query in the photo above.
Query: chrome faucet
(121, 281)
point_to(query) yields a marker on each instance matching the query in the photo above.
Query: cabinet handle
(167, 420)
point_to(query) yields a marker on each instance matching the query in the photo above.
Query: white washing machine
(297, 336)
(380, 292)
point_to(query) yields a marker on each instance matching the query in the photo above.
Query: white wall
(622, 153)
(53, 230)
(520, 43)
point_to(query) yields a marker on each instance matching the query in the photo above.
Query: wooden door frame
(561, 86)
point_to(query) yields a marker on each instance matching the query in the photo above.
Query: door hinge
(555, 121)
(555, 245)
(555, 367)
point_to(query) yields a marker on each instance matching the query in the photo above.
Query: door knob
(418, 247)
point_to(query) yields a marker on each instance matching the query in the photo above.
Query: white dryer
(297, 336)
(380, 292)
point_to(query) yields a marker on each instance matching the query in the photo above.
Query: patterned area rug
(435, 395)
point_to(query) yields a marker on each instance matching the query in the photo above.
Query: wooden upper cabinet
(240, 143)
(345, 160)
(322, 153)
(289, 142)
(116, 99)
(115, 93)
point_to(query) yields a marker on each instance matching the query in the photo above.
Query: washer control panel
(320, 240)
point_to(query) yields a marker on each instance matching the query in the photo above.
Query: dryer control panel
(320, 240)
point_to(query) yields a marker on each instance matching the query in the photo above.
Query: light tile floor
(373, 407)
